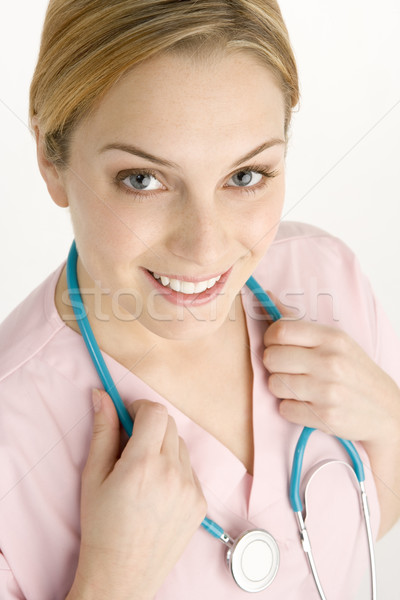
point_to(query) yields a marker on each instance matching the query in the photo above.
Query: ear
(50, 173)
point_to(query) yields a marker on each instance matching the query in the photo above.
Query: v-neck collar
(267, 423)
(217, 467)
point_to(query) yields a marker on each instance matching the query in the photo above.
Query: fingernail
(96, 400)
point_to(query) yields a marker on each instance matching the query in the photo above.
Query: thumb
(104, 447)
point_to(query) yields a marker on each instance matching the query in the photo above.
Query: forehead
(173, 103)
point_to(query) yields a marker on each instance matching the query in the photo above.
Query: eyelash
(141, 196)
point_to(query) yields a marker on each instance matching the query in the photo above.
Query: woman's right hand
(138, 509)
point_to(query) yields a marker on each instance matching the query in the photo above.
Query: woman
(163, 127)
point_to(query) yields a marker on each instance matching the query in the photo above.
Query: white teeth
(174, 284)
(201, 286)
(187, 287)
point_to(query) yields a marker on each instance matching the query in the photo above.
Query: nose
(201, 231)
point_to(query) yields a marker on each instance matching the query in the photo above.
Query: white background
(343, 160)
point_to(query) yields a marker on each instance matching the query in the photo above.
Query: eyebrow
(166, 163)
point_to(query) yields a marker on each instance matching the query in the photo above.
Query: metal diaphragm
(253, 560)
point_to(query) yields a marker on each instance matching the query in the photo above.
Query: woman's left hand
(327, 381)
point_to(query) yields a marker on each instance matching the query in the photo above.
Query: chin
(186, 326)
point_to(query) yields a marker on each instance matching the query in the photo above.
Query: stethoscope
(253, 556)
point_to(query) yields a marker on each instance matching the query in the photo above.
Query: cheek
(100, 220)
(88, 202)
(263, 219)
(94, 211)
(106, 238)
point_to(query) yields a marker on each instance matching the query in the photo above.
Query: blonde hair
(87, 45)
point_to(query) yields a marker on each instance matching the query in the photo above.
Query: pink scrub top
(46, 378)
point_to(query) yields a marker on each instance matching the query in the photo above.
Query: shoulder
(292, 230)
(305, 249)
(308, 259)
(305, 236)
(29, 327)
(316, 275)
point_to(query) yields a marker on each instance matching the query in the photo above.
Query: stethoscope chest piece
(253, 560)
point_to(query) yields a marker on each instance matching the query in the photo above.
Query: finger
(134, 406)
(305, 414)
(296, 387)
(149, 427)
(324, 395)
(170, 446)
(184, 455)
(104, 446)
(301, 333)
(197, 483)
(185, 461)
(289, 359)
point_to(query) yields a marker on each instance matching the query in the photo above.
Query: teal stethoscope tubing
(126, 420)
(295, 500)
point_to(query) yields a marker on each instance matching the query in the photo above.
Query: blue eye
(245, 178)
(142, 181)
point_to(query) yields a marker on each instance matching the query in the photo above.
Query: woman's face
(178, 175)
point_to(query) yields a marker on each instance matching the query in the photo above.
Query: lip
(181, 299)
(188, 278)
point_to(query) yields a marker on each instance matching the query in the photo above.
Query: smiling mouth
(186, 287)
